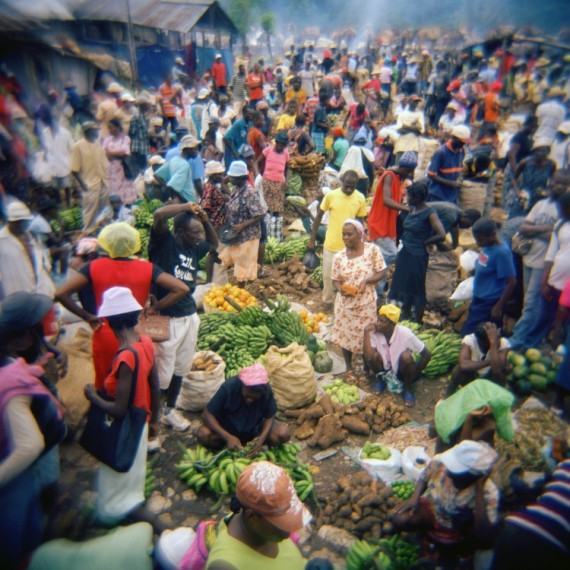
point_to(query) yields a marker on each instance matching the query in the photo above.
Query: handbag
(520, 244)
(115, 441)
(157, 326)
(128, 168)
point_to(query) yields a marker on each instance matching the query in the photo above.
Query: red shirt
(166, 93)
(382, 220)
(219, 74)
(255, 85)
(253, 140)
(311, 107)
(356, 120)
(145, 352)
(374, 84)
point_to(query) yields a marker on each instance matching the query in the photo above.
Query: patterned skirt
(274, 194)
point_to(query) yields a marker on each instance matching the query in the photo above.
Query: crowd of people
(415, 146)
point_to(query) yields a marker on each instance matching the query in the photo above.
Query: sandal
(409, 400)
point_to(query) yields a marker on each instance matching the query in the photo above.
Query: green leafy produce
(323, 362)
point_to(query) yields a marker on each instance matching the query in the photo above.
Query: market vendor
(455, 502)
(241, 410)
(483, 355)
(388, 353)
(474, 412)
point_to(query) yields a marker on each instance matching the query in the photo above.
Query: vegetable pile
(535, 426)
(200, 468)
(388, 554)
(311, 321)
(342, 393)
(403, 489)
(72, 219)
(375, 451)
(217, 298)
(150, 479)
(276, 251)
(143, 213)
(530, 372)
(361, 506)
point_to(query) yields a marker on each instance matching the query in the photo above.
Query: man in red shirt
(169, 98)
(219, 75)
(386, 206)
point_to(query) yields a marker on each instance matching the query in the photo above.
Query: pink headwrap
(254, 375)
(358, 227)
(86, 246)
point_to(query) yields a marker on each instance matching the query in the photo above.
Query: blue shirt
(492, 269)
(178, 175)
(197, 167)
(174, 151)
(447, 164)
(237, 133)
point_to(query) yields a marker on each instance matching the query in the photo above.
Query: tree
(242, 13)
(268, 26)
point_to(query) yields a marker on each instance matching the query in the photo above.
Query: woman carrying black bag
(121, 494)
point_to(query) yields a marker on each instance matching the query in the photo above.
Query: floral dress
(353, 314)
(118, 184)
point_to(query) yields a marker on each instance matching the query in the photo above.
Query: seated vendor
(483, 355)
(455, 502)
(241, 410)
(259, 534)
(388, 353)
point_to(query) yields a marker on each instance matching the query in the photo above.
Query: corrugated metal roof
(177, 16)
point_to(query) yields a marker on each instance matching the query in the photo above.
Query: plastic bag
(199, 386)
(291, 375)
(414, 460)
(464, 291)
(387, 470)
(467, 260)
(311, 260)
(172, 546)
(294, 185)
(199, 294)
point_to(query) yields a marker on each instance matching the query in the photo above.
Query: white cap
(203, 93)
(118, 301)
(17, 211)
(462, 133)
(238, 168)
(127, 97)
(218, 56)
(179, 61)
(214, 167)
(114, 87)
(469, 456)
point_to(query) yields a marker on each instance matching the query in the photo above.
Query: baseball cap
(469, 456)
(462, 133)
(238, 168)
(267, 490)
(118, 301)
(246, 151)
(203, 93)
(17, 211)
(218, 56)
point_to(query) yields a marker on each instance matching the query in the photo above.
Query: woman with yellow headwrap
(388, 352)
(121, 242)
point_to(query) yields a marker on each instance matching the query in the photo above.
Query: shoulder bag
(115, 441)
(521, 245)
(157, 326)
(227, 235)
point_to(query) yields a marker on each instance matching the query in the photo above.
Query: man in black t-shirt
(453, 218)
(178, 253)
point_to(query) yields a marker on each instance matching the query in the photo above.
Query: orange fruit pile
(215, 297)
(312, 322)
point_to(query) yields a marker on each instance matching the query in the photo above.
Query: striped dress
(549, 517)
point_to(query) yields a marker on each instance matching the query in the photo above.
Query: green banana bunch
(288, 327)
(414, 327)
(150, 479)
(72, 218)
(318, 274)
(276, 251)
(360, 555)
(444, 347)
(341, 392)
(401, 554)
(253, 316)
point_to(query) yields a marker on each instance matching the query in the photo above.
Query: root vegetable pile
(361, 506)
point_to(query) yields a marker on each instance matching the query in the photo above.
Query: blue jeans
(389, 252)
(543, 324)
(531, 280)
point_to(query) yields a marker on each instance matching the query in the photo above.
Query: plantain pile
(144, 217)
(276, 251)
(394, 553)
(361, 506)
(72, 219)
(318, 275)
(150, 479)
(200, 468)
(444, 347)
(414, 327)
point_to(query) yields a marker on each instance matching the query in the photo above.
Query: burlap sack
(441, 275)
(199, 386)
(473, 195)
(291, 375)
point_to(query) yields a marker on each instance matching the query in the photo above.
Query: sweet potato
(355, 425)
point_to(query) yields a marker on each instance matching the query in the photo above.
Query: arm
(211, 422)
(425, 358)
(483, 527)
(512, 155)
(26, 441)
(199, 186)
(497, 310)
(162, 215)
(267, 425)
(368, 350)
(178, 290)
(444, 181)
(79, 181)
(412, 504)
(64, 296)
(243, 225)
(228, 143)
(154, 402)
(544, 287)
(315, 229)
(466, 364)
(387, 196)
(438, 231)
(118, 407)
(530, 229)
(454, 232)
(561, 317)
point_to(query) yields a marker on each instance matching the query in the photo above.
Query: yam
(357, 494)
(344, 511)
(342, 499)
(369, 500)
(305, 430)
(326, 404)
(329, 510)
(344, 483)
(355, 425)
(376, 532)
(314, 412)
(211, 367)
(289, 413)
(361, 478)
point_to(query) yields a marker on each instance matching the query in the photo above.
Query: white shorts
(175, 355)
